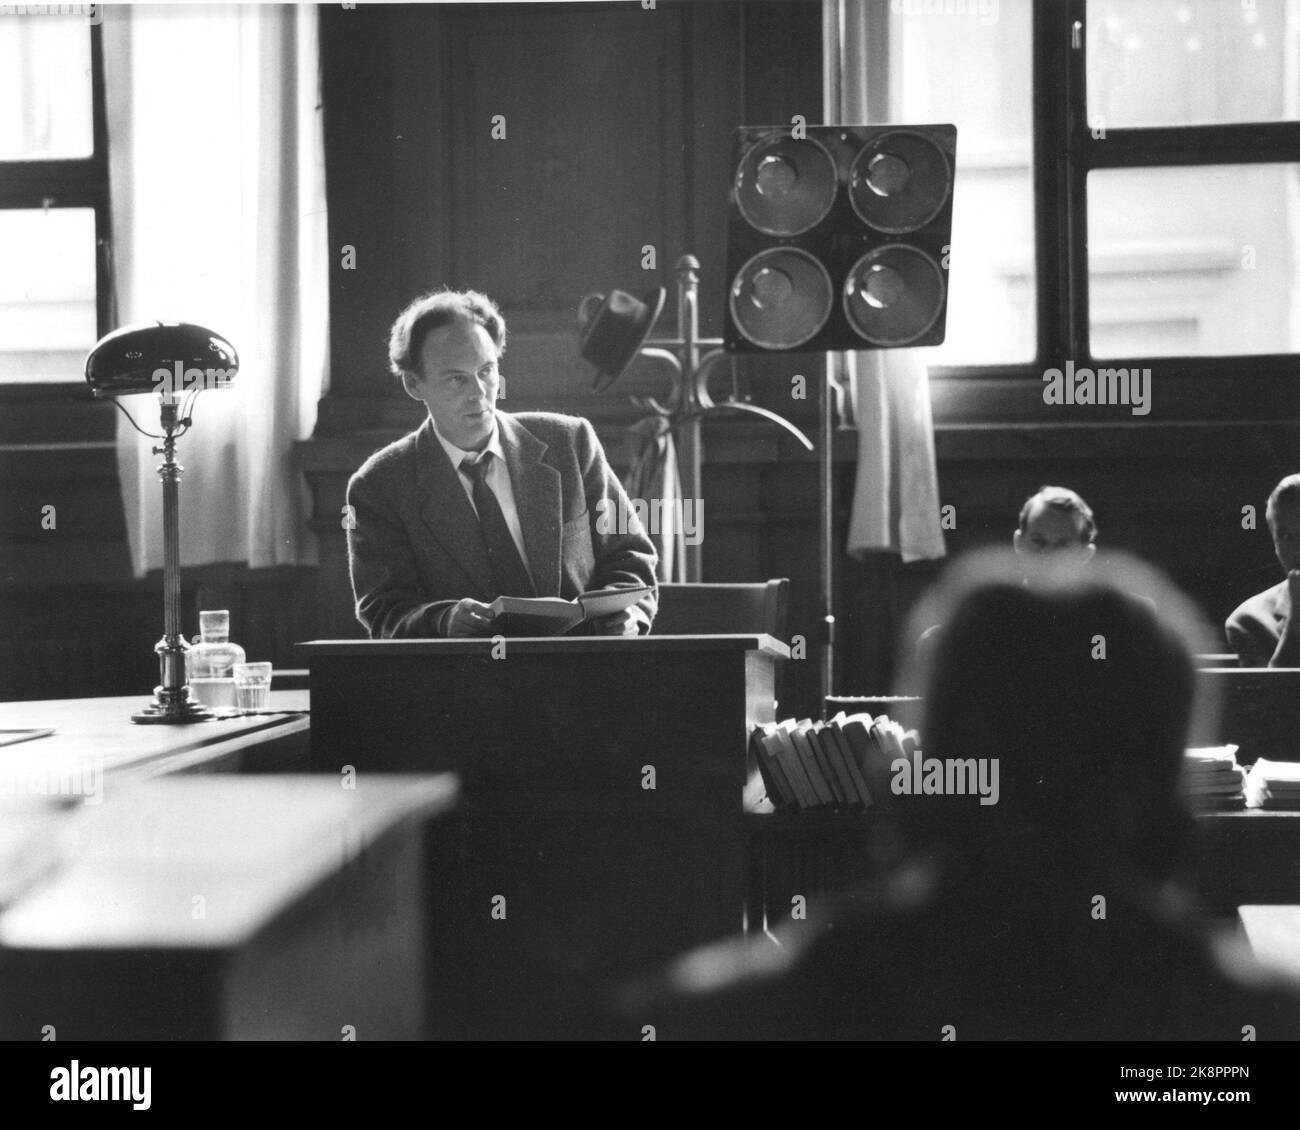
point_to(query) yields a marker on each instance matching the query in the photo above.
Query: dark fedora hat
(614, 327)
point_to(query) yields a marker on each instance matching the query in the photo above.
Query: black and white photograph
(652, 521)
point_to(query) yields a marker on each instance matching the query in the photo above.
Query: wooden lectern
(601, 829)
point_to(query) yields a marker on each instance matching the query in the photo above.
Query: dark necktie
(509, 574)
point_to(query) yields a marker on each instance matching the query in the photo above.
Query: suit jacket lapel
(536, 486)
(447, 511)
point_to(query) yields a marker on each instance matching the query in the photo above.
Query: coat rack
(690, 358)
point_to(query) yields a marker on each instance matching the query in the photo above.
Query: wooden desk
(1245, 857)
(603, 784)
(906, 710)
(94, 739)
(1274, 935)
(1236, 858)
(1259, 711)
(223, 907)
(578, 715)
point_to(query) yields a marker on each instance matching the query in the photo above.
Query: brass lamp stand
(172, 702)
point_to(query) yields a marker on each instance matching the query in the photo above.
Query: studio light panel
(839, 238)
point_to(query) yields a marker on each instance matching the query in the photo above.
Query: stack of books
(1214, 779)
(844, 763)
(1273, 784)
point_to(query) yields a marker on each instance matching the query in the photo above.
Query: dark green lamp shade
(158, 356)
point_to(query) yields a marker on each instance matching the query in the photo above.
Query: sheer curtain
(896, 491)
(217, 181)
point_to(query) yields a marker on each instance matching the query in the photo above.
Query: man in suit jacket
(1054, 540)
(1262, 630)
(478, 503)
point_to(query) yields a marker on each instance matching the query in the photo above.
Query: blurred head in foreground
(1081, 695)
(1041, 915)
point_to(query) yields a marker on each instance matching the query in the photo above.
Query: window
(1192, 260)
(970, 64)
(1191, 62)
(1192, 220)
(53, 196)
(1127, 183)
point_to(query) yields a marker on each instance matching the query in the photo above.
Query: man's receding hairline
(1061, 499)
(469, 324)
(1058, 507)
(1286, 493)
(438, 310)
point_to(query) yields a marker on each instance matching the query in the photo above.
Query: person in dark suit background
(1054, 913)
(1263, 630)
(477, 503)
(1055, 537)
(1056, 532)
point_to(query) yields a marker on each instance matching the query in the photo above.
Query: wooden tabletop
(94, 737)
(243, 849)
(1274, 934)
(541, 645)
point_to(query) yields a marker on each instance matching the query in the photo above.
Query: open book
(552, 615)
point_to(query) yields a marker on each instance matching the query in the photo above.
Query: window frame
(70, 182)
(1154, 147)
(1065, 152)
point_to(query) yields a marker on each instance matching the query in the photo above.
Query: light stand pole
(689, 456)
(826, 528)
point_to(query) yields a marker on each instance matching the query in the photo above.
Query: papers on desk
(1273, 784)
(1213, 778)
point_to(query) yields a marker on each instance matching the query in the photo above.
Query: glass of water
(252, 687)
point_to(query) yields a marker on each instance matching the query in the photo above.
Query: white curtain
(896, 492)
(217, 182)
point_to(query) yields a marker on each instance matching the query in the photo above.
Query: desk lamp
(176, 361)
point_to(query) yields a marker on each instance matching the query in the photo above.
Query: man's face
(1052, 543)
(459, 382)
(1286, 534)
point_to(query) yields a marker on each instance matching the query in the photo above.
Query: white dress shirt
(498, 479)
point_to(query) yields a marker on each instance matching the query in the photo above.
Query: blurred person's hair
(1090, 749)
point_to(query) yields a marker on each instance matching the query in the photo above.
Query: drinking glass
(252, 687)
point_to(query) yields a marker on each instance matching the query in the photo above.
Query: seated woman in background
(1050, 914)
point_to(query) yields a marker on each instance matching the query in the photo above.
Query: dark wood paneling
(358, 63)
(1182, 391)
(590, 168)
(70, 640)
(34, 415)
(619, 124)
